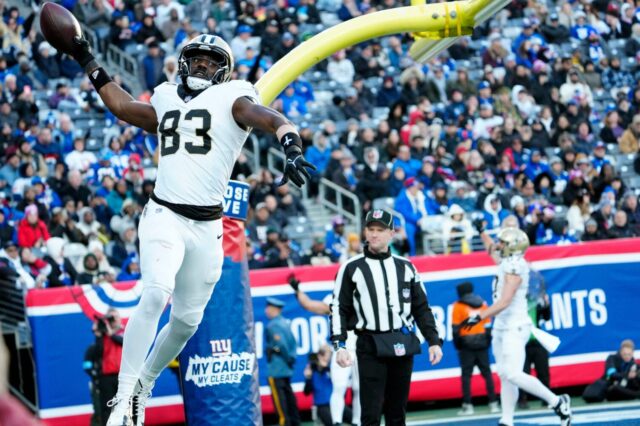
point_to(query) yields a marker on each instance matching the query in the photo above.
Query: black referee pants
(384, 385)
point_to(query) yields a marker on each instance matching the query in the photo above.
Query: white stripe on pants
(509, 352)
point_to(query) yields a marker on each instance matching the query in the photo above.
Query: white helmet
(217, 50)
(514, 242)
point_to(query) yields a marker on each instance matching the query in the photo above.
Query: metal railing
(338, 206)
(253, 154)
(92, 38)
(433, 243)
(126, 65)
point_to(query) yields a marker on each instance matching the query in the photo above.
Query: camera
(101, 323)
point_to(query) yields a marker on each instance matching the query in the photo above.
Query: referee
(381, 296)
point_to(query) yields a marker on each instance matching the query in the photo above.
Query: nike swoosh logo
(219, 236)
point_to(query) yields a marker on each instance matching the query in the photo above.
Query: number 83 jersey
(199, 141)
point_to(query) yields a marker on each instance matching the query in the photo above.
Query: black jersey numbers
(170, 138)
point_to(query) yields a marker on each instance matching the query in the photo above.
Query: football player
(202, 123)
(512, 327)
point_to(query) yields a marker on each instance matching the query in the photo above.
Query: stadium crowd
(537, 115)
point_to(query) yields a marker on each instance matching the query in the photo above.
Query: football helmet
(216, 50)
(514, 242)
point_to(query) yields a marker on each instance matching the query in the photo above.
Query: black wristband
(99, 77)
(291, 141)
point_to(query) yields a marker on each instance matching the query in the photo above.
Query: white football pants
(341, 378)
(181, 258)
(509, 352)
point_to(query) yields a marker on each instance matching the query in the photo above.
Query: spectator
(62, 272)
(10, 170)
(260, 223)
(79, 159)
(32, 232)
(629, 139)
(149, 32)
(494, 214)
(340, 69)
(457, 231)
(553, 31)
(335, 239)
(579, 212)
(620, 227)
(591, 231)
(604, 216)
(612, 130)
(130, 270)
(632, 209)
(575, 90)
(153, 63)
(318, 254)
(76, 190)
(411, 205)
(11, 254)
(62, 97)
(88, 274)
(121, 34)
(620, 380)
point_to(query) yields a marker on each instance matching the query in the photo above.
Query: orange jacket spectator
(32, 232)
(478, 336)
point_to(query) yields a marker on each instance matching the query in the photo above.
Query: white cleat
(141, 395)
(120, 412)
(494, 407)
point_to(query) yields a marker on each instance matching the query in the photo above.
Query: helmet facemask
(195, 68)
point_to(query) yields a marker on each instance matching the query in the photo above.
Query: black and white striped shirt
(379, 293)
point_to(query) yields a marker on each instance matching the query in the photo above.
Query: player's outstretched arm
(307, 303)
(119, 102)
(251, 115)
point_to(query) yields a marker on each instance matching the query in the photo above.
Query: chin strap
(195, 83)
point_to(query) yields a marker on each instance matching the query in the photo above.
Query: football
(59, 27)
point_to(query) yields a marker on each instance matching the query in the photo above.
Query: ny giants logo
(220, 347)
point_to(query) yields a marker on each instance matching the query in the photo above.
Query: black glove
(479, 225)
(296, 167)
(293, 282)
(470, 321)
(82, 52)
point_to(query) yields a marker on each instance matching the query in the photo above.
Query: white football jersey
(199, 142)
(517, 313)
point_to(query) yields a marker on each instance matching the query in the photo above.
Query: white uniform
(341, 378)
(512, 329)
(199, 142)
(209, 142)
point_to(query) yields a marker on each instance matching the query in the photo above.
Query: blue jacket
(280, 348)
(411, 167)
(534, 169)
(403, 206)
(318, 158)
(320, 385)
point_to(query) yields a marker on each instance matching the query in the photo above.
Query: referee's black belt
(364, 332)
(199, 213)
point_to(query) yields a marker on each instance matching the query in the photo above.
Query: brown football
(59, 27)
